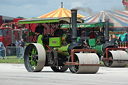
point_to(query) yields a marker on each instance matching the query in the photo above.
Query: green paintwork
(63, 37)
(92, 42)
(38, 21)
(78, 25)
(63, 50)
(55, 42)
(27, 43)
(33, 63)
(98, 48)
(78, 38)
(86, 25)
(99, 37)
(39, 40)
(100, 24)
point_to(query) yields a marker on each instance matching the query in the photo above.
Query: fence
(11, 51)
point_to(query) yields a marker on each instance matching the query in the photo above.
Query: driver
(39, 29)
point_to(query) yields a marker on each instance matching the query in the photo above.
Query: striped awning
(61, 12)
(119, 18)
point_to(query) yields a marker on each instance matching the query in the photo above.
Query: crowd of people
(20, 46)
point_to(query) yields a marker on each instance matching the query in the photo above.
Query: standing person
(22, 47)
(83, 34)
(78, 32)
(18, 42)
(2, 50)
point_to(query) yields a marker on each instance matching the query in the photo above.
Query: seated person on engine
(39, 29)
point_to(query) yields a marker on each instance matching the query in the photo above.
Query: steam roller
(85, 63)
(113, 56)
(107, 48)
(61, 54)
(116, 58)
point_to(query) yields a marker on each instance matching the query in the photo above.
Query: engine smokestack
(74, 25)
(106, 30)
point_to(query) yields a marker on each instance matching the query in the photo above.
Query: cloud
(35, 8)
(24, 8)
(97, 5)
(23, 2)
(76, 4)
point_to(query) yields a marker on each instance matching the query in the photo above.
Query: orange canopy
(61, 12)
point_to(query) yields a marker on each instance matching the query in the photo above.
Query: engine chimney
(74, 25)
(61, 4)
(106, 30)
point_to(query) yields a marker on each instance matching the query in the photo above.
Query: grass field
(15, 60)
(11, 59)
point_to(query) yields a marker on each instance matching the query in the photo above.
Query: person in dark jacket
(18, 42)
(22, 47)
(39, 30)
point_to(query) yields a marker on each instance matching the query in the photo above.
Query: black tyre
(34, 57)
(59, 68)
(74, 68)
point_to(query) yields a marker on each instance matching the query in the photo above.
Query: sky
(36, 8)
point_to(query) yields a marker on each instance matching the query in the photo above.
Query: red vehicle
(8, 36)
(10, 32)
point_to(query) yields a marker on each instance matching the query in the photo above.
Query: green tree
(20, 17)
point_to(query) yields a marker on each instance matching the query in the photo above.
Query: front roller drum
(87, 63)
(117, 58)
(34, 57)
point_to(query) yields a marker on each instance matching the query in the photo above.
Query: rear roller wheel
(87, 59)
(118, 59)
(108, 63)
(34, 57)
(53, 56)
(74, 68)
(59, 68)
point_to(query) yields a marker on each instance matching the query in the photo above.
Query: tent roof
(46, 20)
(61, 12)
(36, 20)
(119, 18)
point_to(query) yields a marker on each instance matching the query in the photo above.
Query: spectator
(24, 36)
(18, 42)
(22, 47)
(2, 50)
(78, 32)
(83, 34)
